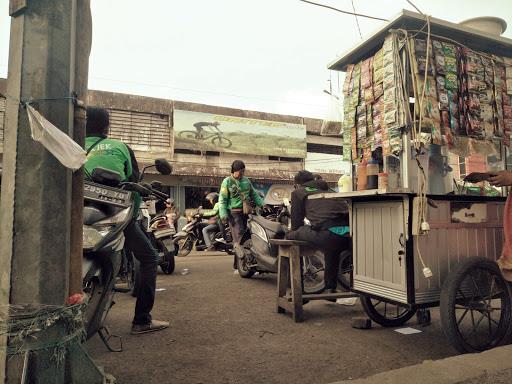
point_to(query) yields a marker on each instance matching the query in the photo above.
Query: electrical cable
(415, 7)
(345, 12)
(357, 20)
(204, 92)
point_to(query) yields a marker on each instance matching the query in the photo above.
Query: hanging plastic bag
(332, 124)
(60, 145)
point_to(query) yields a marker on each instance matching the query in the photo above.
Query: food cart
(418, 92)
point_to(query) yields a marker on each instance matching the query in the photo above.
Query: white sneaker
(235, 272)
(220, 240)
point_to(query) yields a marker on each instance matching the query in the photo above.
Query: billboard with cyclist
(210, 132)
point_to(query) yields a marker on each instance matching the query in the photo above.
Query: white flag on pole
(60, 145)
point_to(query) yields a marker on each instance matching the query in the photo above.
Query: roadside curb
(451, 370)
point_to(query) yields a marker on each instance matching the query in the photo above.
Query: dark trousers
(330, 244)
(238, 225)
(137, 242)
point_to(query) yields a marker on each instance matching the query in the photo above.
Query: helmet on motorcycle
(213, 197)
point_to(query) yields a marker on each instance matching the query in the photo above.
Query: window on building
(140, 128)
(323, 148)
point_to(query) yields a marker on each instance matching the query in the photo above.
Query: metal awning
(472, 38)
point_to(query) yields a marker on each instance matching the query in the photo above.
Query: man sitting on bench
(329, 223)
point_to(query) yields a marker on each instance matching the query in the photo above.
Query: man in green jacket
(213, 224)
(117, 156)
(236, 195)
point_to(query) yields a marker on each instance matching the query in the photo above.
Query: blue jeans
(211, 228)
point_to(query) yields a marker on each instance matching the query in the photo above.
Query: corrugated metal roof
(408, 20)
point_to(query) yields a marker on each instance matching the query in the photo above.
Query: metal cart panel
(448, 243)
(378, 230)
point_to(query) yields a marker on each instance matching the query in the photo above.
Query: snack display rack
(415, 91)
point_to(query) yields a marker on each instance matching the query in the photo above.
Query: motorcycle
(108, 210)
(160, 233)
(192, 234)
(261, 256)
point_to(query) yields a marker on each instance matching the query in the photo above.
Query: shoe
(155, 325)
(331, 290)
(220, 240)
(210, 248)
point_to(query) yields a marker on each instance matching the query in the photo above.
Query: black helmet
(303, 177)
(214, 196)
(237, 165)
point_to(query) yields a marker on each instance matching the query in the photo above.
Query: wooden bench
(289, 276)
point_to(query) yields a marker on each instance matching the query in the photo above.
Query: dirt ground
(225, 329)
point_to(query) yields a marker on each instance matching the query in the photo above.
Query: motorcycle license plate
(164, 232)
(106, 194)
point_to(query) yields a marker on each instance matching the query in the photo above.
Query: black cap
(237, 165)
(303, 177)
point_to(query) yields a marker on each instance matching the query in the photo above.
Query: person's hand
(267, 208)
(501, 179)
(224, 220)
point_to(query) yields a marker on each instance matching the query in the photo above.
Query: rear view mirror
(106, 177)
(163, 167)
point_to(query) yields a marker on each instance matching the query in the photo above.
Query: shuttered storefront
(149, 130)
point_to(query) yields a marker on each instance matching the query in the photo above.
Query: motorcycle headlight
(118, 218)
(92, 236)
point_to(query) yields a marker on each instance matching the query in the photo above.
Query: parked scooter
(108, 209)
(192, 235)
(261, 256)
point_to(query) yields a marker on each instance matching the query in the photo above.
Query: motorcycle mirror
(163, 166)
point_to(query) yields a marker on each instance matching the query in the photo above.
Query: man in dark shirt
(329, 223)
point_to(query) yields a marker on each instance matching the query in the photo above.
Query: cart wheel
(476, 306)
(385, 313)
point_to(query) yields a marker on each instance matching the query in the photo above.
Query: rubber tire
(248, 272)
(447, 304)
(222, 142)
(343, 279)
(169, 266)
(184, 251)
(366, 302)
(321, 286)
(136, 281)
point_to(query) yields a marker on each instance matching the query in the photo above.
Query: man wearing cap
(236, 195)
(329, 223)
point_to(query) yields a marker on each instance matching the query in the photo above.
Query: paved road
(224, 329)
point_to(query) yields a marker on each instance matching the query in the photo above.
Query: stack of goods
(465, 93)
(436, 87)
(373, 105)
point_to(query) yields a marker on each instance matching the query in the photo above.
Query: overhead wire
(342, 11)
(357, 20)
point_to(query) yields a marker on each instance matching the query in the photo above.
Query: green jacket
(232, 191)
(113, 155)
(211, 212)
(110, 154)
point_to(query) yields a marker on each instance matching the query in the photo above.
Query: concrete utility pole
(41, 202)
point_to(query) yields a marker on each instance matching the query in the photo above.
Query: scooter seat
(272, 226)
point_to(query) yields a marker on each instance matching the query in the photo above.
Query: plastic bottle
(345, 183)
(361, 176)
(372, 174)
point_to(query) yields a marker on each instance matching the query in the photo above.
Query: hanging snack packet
(451, 82)
(450, 64)
(440, 65)
(444, 103)
(449, 49)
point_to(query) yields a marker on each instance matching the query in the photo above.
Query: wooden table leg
(296, 283)
(283, 277)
